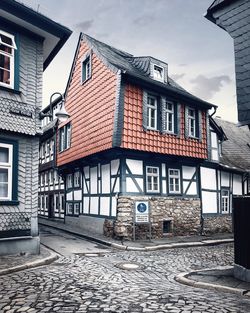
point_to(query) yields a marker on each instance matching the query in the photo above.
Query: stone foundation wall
(184, 214)
(217, 224)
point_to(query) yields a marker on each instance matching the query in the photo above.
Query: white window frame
(62, 138)
(56, 180)
(70, 208)
(191, 119)
(152, 123)
(9, 167)
(10, 56)
(152, 176)
(77, 210)
(225, 201)
(169, 117)
(174, 179)
(86, 65)
(68, 135)
(77, 179)
(69, 181)
(156, 72)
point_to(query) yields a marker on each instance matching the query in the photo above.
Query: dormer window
(158, 72)
(7, 47)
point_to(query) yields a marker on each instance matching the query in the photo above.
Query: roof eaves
(39, 20)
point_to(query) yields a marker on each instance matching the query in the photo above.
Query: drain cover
(129, 266)
(91, 254)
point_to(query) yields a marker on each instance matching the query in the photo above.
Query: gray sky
(199, 54)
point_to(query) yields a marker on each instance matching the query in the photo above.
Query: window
(56, 203)
(158, 72)
(174, 180)
(51, 177)
(224, 201)
(77, 181)
(7, 47)
(69, 208)
(152, 112)
(46, 203)
(6, 167)
(64, 137)
(46, 178)
(152, 179)
(69, 181)
(191, 122)
(86, 68)
(168, 111)
(76, 208)
(56, 177)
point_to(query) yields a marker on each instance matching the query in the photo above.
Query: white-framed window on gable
(68, 135)
(158, 72)
(151, 112)
(152, 179)
(86, 68)
(225, 200)
(168, 118)
(191, 118)
(7, 50)
(174, 181)
(6, 169)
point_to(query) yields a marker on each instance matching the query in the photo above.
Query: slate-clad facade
(233, 17)
(24, 53)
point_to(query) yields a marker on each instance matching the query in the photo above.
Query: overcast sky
(199, 54)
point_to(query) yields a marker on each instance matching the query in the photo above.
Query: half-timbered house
(133, 135)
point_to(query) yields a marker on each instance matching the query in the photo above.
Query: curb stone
(29, 265)
(183, 279)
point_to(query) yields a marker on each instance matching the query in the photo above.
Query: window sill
(9, 202)
(10, 90)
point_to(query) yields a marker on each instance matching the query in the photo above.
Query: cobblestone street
(81, 283)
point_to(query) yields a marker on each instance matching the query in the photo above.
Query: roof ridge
(124, 53)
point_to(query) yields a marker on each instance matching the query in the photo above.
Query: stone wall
(183, 214)
(217, 224)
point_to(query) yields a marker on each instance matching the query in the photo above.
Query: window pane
(3, 183)
(3, 175)
(4, 155)
(4, 62)
(4, 77)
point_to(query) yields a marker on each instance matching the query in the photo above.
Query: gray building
(233, 17)
(29, 42)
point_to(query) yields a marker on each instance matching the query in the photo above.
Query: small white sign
(141, 212)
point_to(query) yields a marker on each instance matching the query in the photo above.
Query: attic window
(86, 68)
(158, 72)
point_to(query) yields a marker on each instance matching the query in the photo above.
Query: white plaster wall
(163, 170)
(209, 202)
(237, 184)
(104, 205)
(214, 141)
(69, 196)
(86, 171)
(188, 172)
(225, 179)
(164, 186)
(105, 178)
(130, 185)
(117, 184)
(93, 180)
(113, 206)
(215, 155)
(86, 205)
(192, 190)
(93, 205)
(135, 166)
(77, 195)
(114, 166)
(208, 178)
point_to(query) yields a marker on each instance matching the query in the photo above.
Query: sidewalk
(14, 263)
(142, 245)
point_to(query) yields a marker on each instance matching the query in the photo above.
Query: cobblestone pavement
(82, 283)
